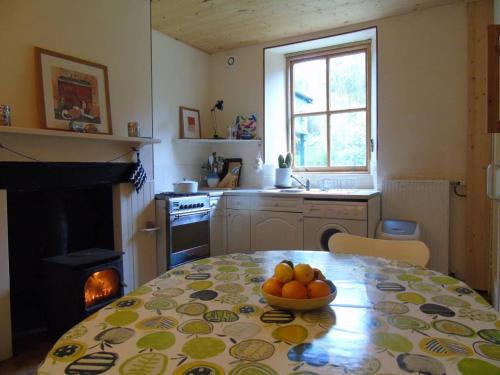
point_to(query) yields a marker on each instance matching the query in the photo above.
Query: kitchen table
(208, 317)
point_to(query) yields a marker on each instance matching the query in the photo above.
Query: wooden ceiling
(219, 25)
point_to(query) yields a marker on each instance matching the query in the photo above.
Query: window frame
(327, 54)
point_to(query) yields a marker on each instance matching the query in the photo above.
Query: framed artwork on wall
(246, 126)
(73, 91)
(190, 122)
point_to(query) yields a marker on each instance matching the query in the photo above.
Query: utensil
(211, 162)
(185, 187)
(299, 304)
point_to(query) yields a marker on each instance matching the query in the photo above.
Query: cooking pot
(185, 187)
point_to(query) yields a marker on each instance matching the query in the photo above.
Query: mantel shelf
(138, 141)
(217, 141)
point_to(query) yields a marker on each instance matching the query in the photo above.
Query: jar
(133, 129)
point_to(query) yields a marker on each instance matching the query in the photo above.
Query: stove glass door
(189, 238)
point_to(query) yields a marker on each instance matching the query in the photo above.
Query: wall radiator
(428, 203)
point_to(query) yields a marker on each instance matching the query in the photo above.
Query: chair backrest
(414, 252)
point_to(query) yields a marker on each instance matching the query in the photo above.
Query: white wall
(275, 98)
(180, 78)
(422, 97)
(423, 105)
(240, 87)
(115, 33)
(250, 177)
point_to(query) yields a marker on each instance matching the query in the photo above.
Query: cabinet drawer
(277, 204)
(238, 203)
(336, 210)
(217, 203)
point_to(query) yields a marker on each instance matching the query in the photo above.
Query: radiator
(428, 203)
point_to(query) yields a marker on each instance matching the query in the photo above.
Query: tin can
(4, 115)
(133, 129)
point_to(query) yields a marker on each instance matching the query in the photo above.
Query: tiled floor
(31, 353)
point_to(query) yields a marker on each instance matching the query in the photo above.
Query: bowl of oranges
(299, 287)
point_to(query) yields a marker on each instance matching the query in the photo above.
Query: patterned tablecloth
(208, 317)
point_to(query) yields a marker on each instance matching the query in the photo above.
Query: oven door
(189, 238)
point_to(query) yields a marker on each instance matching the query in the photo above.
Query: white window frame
(328, 54)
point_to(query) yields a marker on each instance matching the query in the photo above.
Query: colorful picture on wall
(73, 90)
(247, 126)
(75, 95)
(190, 122)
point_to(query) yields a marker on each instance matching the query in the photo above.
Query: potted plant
(284, 171)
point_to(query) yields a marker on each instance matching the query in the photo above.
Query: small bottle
(5, 115)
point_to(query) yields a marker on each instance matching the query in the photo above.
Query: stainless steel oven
(184, 229)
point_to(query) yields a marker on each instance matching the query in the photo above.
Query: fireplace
(62, 256)
(101, 286)
(79, 283)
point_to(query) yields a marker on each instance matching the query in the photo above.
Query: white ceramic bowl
(299, 304)
(185, 187)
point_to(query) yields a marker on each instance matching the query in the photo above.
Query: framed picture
(246, 125)
(230, 175)
(190, 122)
(73, 90)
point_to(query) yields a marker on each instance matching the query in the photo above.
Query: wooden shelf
(219, 141)
(74, 135)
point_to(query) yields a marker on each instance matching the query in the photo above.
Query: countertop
(297, 193)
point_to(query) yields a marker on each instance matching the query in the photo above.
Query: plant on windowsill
(284, 171)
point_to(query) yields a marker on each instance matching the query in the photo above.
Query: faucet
(307, 185)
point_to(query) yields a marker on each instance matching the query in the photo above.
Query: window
(329, 106)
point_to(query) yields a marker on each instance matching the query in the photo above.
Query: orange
(303, 273)
(318, 289)
(318, 275)
(294, 289)
(283, 272)
(272, 286)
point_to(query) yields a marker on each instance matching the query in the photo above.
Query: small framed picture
(230, 175)
(190, 122)
(73, 91)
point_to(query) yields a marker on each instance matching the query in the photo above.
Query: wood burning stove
(100, 287)
(79, 283)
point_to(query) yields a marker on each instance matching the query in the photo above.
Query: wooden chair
(414, 252)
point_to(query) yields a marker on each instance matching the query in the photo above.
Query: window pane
(348, 139)
(310, 141)
(348, 81)
(309, 80)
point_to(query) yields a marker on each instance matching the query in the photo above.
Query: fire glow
(100, 286)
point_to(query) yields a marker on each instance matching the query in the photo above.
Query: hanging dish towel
(138, 176)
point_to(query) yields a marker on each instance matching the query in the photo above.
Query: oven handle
(179, 216)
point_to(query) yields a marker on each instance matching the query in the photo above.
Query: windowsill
(334, 173)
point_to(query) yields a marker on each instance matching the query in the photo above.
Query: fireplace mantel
(133, 141)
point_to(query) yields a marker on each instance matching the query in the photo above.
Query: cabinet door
(238, 230)
(217, 232)
(277, 230)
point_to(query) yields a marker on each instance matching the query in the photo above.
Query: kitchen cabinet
(217, 226)
(276, 230)
(277, 204)
(238, 230)
(238, 202)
